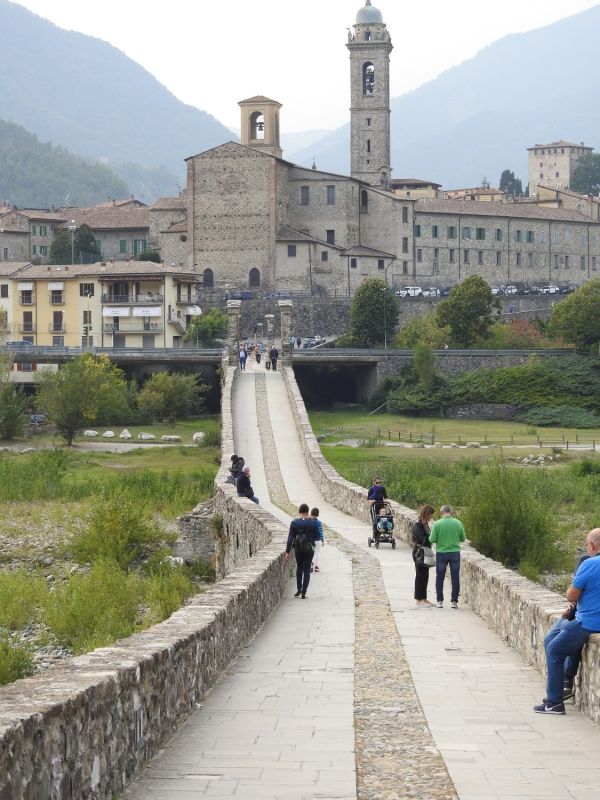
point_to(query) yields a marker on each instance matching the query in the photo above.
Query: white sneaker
(439, 604)
(454, 604)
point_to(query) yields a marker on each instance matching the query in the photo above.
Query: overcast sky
(212, 53)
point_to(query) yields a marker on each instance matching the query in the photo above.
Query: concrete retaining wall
(85, 728)
(520, 611)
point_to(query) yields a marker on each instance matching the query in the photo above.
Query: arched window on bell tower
(257, 127)
(208, 278)
(368, 78)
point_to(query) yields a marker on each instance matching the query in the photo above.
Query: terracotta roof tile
(473, 208)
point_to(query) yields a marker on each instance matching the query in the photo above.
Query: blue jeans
(564, 639)
(303, 565)
(254, 498)
(441, 562)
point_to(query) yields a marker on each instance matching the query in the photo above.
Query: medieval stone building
(255, 221)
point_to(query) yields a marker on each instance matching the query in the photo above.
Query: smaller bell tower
(260, 124)
(370, 46)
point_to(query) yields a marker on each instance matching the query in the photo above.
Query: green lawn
(353, 424)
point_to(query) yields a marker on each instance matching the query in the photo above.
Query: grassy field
(47, 436)
(358, 423)
(91, 531)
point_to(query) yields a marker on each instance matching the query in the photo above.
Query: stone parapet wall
(87, 727)
(520, 611)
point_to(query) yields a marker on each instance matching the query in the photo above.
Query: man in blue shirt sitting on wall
(568, 636)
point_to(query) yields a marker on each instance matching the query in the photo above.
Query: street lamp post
(72, 227)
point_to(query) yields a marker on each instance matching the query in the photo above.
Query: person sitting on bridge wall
(567, 636)
(235, 470)
(244, 489)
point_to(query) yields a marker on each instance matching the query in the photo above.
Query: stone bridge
(249, 693)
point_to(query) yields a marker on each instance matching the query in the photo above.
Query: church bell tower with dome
(370, 46)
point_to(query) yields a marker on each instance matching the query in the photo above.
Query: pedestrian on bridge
(273, 356)
(302, 537)
(568, 636)
(447, 533)
(243, 357)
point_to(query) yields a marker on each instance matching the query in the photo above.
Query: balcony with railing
(27, 327)
(57, 327)
(132, 327)
(142, 299)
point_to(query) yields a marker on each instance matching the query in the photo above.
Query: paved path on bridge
(261, 730)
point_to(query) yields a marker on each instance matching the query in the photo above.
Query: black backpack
(303, 543)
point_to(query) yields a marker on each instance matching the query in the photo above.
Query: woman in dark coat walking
(420, 537)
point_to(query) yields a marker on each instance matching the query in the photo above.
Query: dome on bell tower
(369, 15)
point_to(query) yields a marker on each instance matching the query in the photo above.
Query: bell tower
(260, 124)
(370, 46)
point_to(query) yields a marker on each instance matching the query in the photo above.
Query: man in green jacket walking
(447, 533)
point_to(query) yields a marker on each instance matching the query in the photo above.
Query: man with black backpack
(302, 537)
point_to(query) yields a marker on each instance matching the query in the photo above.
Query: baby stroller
(383, 525)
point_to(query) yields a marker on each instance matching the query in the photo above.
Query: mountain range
(473, 121)
(86, 95)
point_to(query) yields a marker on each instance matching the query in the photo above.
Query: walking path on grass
(334, 700)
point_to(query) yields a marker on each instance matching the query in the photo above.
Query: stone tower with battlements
(370, 46)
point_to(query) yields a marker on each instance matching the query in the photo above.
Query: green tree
(577, 318)
(586, 177)
(207, 328)
(60, 249)
(170, 396)
(424, 361)
(509, 184)
(13, 405)
(88, 390)
(468, 310)
(422, 330)
(373, 314)
(86, 249)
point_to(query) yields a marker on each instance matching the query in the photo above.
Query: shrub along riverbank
(85, 546)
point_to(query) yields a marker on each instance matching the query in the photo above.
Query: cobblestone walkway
(333, 700)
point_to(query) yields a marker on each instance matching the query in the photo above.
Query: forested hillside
(36, 174)
(84, 94)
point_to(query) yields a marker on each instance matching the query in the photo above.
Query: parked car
(568, 289)
(530, 290)
(551, 289)
(496, 290)
(17, 344)
(38, 419)
(279, 296)
(445, 292)
(410, 291)
(510, 290)
(431, 291)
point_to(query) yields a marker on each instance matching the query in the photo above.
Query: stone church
(257, 221)
(250, 220)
